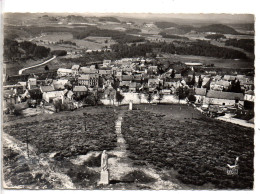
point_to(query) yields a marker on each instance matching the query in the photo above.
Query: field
(57, 139)
(195, 149)
(218, 62)
(167, 147)
(90, 42)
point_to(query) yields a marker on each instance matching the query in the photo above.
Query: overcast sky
(154, 6)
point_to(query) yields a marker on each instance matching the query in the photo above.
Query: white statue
(131, 105)
(104, 161)
(104, 175)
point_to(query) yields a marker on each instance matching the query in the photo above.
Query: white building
(65, 72)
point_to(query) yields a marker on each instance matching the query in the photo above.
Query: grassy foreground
(178, 138)
(57, 139)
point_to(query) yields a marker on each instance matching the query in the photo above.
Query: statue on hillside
(104, 175)
(104, 161)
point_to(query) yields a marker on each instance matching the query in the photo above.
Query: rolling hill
(217, 28)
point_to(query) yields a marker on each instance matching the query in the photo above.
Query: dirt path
(36, 164)
(121, 165)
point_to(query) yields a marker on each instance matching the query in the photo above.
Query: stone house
(61, 72)
(80, 90)
(49, 96)
(200, 94)
(89, 80)
(223, 98)
(219, 85)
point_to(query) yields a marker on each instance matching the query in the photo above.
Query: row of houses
(223, 98)
(129, 77)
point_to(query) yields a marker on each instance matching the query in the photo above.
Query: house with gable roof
(224, 98)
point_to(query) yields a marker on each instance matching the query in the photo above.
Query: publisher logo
(233, 169)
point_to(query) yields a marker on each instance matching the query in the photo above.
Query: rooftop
(46, 88)
(225, 95)
(80, 89)
(200, 91)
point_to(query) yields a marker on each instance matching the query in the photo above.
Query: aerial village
(135, 80)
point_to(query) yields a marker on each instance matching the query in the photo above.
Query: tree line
(119, 37)
(199, 48)
(246, 44)
(24, 50)
(165, 35)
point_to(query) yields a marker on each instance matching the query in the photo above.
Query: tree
(89, 99)
(57, 105)
(207, 85)
(46, 68)
(160, 97)
(115, 84)
(149, 97)
(59, 52)
(41, 52)
(97, 96)
(182, 92)
(200, 82)
(10, 107)
(192, 98)
(235, 86)
(119, 97)
(193, 79)
(111, 95)
(173, 73)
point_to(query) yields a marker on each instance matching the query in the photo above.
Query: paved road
(43, 63)
(241, 122)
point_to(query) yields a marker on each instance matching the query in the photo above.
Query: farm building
(88, 70)
(153, 83)
(224, 98)
(229, 77)
(65, 72)
(127, 78)
(32, 83)
(90, 80)
(249, 100)
(9, 96)
(132, 87)
(46, 89)
(106, 63)
(105, 72)
(193, 64)
(80, 90)
(219, 85)
(49, 96)
(17, 88)
(200, 94)
(75, 68)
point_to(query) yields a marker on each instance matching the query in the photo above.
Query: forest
(119, 37)
(218, 28)
(78, 33)
(215, 36)
(165, 35)
(23, 50)
(199, 48)
(246, 44)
